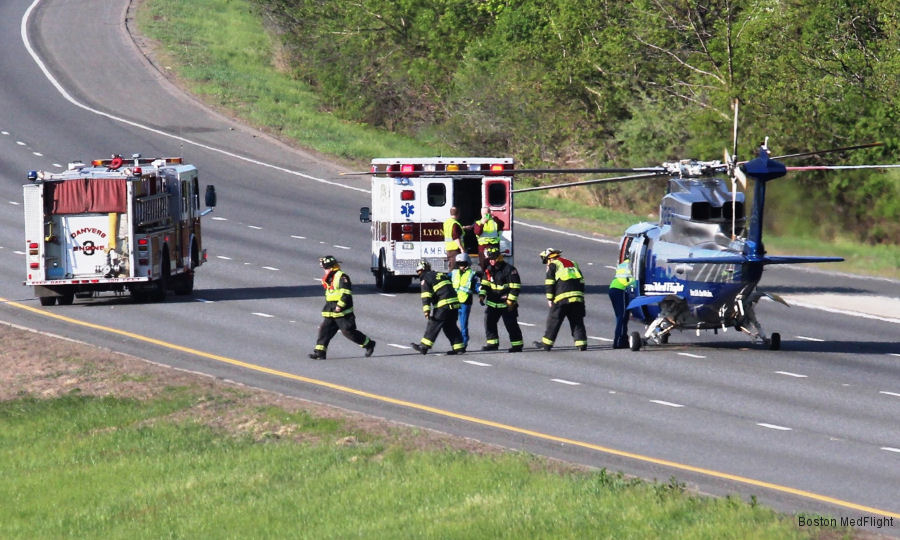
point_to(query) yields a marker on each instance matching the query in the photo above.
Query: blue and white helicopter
(699, 266)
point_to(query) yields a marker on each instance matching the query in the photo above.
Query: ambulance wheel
(379, 274)
(634, 341)
(67, 299)
(47, 300)
(775, 341)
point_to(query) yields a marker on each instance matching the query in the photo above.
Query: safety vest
(623, 276)
(490, 233)
(564, 281)
(449, 243)
(335, 295)
(462, 282)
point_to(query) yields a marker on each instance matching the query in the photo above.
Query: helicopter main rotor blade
(802, 154)
(587, 182)
(840, 167)
(510, 172)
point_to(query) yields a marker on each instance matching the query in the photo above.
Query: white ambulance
(411, 199)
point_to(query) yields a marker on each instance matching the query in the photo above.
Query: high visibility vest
(449, 243)
(564, 281)
(462, 282)
(623, 276)
(334, 293)
(490, 233)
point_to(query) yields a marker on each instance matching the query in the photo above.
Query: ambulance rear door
(496, 196)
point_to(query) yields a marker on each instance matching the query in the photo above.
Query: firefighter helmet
(423, 266)
(549, 253)
(462, 259)
(328, 261)
(492, 253)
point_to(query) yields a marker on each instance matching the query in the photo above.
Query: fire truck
(411, 199)
(114, 225)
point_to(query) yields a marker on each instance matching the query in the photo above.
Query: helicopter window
(701, 211)
(437, 194)
(496, 194)
(738, 210)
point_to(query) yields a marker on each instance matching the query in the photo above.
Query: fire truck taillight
(497, 168)
(407, 195)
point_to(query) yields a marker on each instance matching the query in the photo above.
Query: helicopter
(698, 268)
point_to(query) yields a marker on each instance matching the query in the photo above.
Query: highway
(810, 428)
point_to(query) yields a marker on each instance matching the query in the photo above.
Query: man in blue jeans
(617, 295)
(465, 282)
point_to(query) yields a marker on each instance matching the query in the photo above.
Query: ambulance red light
(33, 245)
(137, 171)
(142, 241)
(34, 265)
(407, 195)
(407, 168)
(406, 227)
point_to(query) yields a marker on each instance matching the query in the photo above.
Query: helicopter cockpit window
(437, 194)
(701, 211)
(496, 194)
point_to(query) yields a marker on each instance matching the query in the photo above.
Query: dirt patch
(35, 364)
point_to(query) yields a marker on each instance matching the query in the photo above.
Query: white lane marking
(20, 143)
(479, 364)
(4, 132)
(789, 374)
(525, 324)
(894, 354)
(266, 315)
(389, 295)
(217, 218)
(341, 247)
(891, 449)
(23, 31)
(563, 381)
(17, 252)
(773, 426)
(298, 237)
(399, 346)
(57, 165)
(689, 355)
(254, 227)
(809, 338)
(666, 403)
(14, 203)
(600, 338)
(38, 154)
(610, 267)
(885, 392)
(223, 257)
(272, 268)
(205, 301)
(599, 240)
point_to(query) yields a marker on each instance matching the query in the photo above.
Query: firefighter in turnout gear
(499, 292)
(564, 286)
(337, 314)
(441, 308)
(465, 282)
(620, 282)
(487, 230)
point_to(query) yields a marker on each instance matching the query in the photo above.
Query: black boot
(493, 347)
(541, 345)
(317, 355)
(370, 348)
(420, 347)
(515, 348)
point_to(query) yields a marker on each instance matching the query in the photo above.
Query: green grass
(112, 468)
(222, 52)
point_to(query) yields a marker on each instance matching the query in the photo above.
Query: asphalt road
(811, 428)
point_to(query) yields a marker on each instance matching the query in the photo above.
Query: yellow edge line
(472, 419)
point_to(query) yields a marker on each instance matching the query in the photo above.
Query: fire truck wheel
(184, 284)
(66, 299)
(47, 300)
(162, 284)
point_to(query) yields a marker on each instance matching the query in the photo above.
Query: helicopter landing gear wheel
(775, 342)
(634, 341)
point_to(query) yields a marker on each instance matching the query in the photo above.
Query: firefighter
(465, 282)
(487, 230)
(622, 280)
(337, 313)
(453, 237)
(499, 292)
(564, 286)
(441, 308)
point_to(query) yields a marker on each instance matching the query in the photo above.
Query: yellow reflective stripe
(570, 294)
